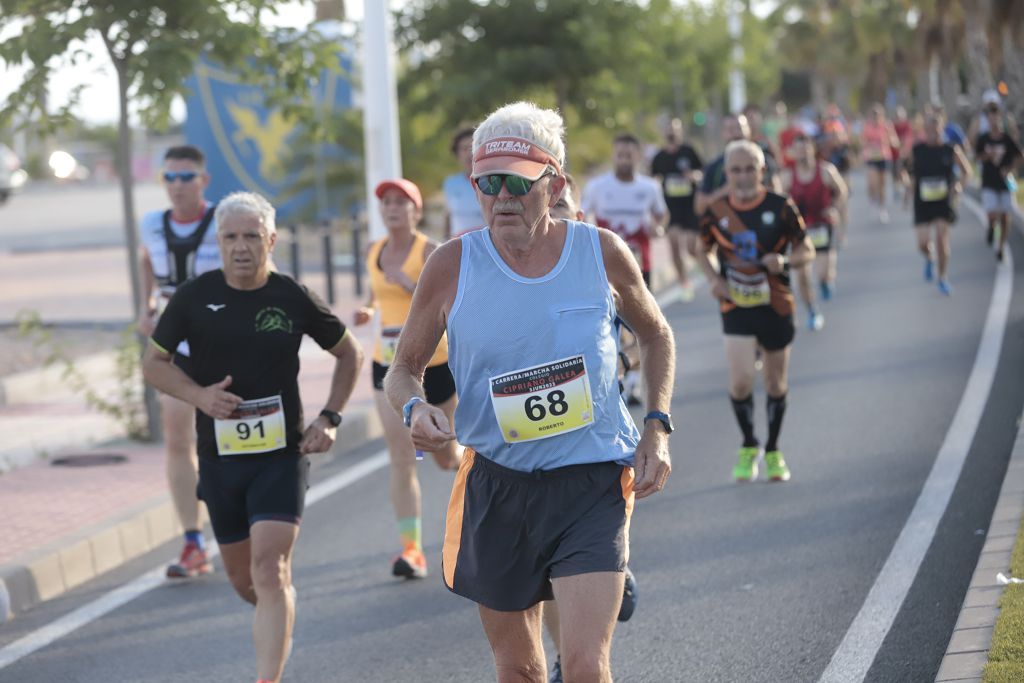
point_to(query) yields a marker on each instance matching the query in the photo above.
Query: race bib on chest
(543, 401)
(389, 344)
(256, 426)
(678, 186)
(820, 236)
(748, 291)
(934, 189)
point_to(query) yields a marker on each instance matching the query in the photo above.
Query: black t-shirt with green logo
(252, 335)
(1003, 153)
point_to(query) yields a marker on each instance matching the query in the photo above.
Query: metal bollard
(294, 230)
(328, 262)
(357, 253)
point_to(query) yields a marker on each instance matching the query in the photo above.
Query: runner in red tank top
(818, 190)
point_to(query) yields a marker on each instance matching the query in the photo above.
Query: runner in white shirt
(459, 194)
(632, 206)
(627, 203)
(176, 245)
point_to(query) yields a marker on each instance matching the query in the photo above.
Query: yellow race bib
(934, 189)
(678, 186)
(543, 401)
(389, 344)
(748, 290)
(256, 426)
(820, 236)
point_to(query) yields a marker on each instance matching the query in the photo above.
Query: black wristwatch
(332, 417)
(664, 418)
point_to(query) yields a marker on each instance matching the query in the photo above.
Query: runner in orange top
(395, 264)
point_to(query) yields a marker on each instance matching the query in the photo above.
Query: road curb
(51, 571)
(28, 386)
(967, 650)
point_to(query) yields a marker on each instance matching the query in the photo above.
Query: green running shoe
(776, 466)
(746, 468)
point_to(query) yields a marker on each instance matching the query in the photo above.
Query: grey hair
(748, 147)
(543, 127)
(247, 204)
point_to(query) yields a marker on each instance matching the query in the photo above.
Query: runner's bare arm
(431, 303)
(636, 306)
(214, 400)
(702, 201)
(835, 181)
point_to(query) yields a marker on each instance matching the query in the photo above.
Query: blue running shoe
(826, 291)
(929, 273)
(815, 321)
(944, 288)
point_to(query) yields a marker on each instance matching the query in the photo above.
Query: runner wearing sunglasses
(751, 230)
(1000, 156)
(176, 245)
(395, 264)
(542, 501)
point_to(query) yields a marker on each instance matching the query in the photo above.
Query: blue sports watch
(407, 410)
(664, 418)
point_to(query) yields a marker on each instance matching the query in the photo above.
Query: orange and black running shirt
(770, 224)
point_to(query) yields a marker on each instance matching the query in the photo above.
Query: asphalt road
(755, 582)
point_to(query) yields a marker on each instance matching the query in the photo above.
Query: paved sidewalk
(67, 525)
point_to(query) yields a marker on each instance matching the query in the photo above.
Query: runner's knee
(586, 664)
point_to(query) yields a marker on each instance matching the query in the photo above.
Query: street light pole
(380, 110)
(737, 82)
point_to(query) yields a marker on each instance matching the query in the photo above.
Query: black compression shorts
(438, 383)
(238, 493)
(774, 332)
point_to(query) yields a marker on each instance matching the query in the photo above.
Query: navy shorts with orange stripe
(508, 533)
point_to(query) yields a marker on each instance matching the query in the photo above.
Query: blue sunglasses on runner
(183, 176)
(516, 185)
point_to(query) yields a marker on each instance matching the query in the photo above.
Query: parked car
(12, 175)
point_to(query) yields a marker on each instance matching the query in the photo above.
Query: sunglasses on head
(183, 176)
(516, 185)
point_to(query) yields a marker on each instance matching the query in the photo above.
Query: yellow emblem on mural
(268, 138)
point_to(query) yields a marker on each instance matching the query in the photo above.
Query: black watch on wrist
(664, 418)
(332, 417)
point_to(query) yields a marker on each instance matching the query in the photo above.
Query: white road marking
(58, 628)
(859, 647)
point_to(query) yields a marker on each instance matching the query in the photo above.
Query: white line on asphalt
(859, 647)
(154, 578)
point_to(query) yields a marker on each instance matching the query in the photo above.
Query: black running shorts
(774, 332)
(509, 533)
(238, 493)
(438, 383)
(929, 212)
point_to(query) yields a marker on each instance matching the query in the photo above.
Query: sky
(98, 103)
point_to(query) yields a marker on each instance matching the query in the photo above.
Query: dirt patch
(20, 354)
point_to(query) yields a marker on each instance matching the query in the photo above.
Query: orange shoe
(193, 562)
(411, 564)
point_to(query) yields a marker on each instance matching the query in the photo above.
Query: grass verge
(1006, 657)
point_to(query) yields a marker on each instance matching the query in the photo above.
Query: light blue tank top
(547, 348)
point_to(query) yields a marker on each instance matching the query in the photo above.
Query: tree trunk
(124, 171)
(979, 70)
(819, 92)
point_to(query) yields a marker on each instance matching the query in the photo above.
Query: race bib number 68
(543, 401)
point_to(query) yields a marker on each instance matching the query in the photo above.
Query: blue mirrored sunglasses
(183, 176)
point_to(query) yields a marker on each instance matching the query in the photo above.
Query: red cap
(406, 187)
(514, 155)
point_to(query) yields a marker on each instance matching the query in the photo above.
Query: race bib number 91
(256, 426)
(543, 401)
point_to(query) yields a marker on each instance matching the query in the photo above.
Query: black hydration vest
(181, 251)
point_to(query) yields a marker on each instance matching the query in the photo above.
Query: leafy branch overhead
(153, 47)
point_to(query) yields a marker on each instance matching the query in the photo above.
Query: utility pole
(383, 159)
(737, 82)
